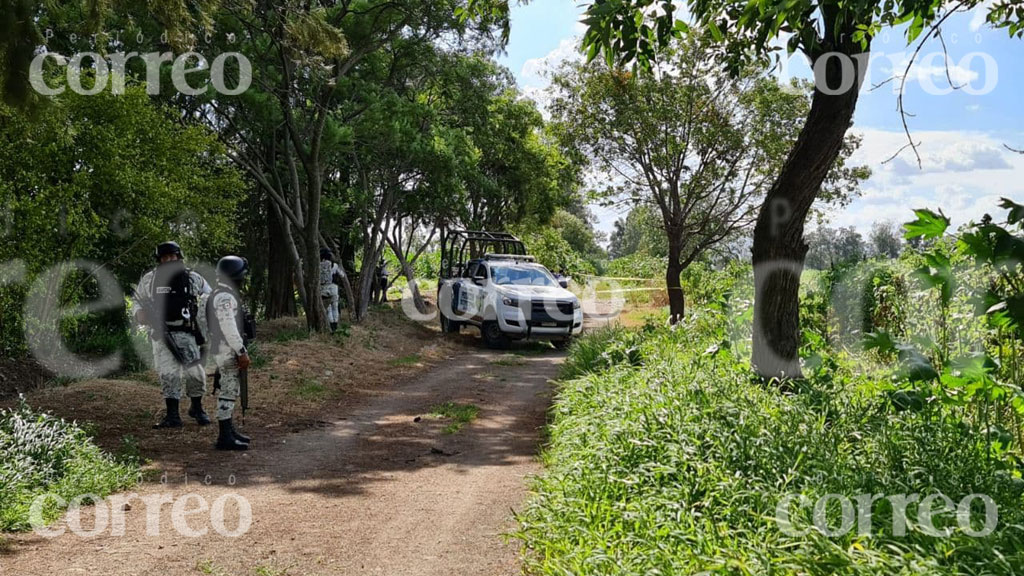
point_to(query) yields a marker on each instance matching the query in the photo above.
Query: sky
(965, 165)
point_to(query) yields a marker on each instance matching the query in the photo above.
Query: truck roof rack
(456, 245)
(511, 257)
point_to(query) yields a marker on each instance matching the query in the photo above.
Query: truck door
(466, 299)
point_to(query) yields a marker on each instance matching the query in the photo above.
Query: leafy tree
(831, 247)
(886, 240)
(699, 147)
(446, 141)
(553, 251)
(105, 178)
(23, 22)
(581, 237)
(639, 232)
(318, 68)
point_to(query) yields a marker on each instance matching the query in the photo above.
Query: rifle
(248, 335)
(243, 390)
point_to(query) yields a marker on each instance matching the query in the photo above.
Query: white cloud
(934, 71)
(955, 156)
(963, 173)
(535, 76)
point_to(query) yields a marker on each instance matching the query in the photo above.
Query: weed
(209, 568)
(459, 414)
(291, 335)
(409, 360)
(509, 360)
(310, 389)
(129, 452)
(344, 332)
(265, 570)
(260, 358)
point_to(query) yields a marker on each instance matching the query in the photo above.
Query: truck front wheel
(449, 326)
(494, 338)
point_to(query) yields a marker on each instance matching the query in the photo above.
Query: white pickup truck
(508, 296)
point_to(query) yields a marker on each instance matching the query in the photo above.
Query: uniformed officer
(226, 316)
(166, 301)
(329, 272)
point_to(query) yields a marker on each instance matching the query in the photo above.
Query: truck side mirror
(479, 280)
(564, 283)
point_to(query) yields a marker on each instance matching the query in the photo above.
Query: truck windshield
(522, 276)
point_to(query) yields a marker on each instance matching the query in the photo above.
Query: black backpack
(173, 298)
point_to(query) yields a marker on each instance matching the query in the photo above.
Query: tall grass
(672, 460)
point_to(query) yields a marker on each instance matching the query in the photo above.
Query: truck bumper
(514, 323)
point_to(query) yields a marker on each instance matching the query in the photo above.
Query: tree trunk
(779, 249)
(368, 276)
(410, 274)
(316, 316)
(280, 271)
(676, 298)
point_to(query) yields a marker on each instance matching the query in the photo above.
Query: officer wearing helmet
(166, 301)
(329, 273)
(226, 316)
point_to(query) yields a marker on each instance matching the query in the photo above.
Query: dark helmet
(326, 254)
(233, 268)
(168, 248)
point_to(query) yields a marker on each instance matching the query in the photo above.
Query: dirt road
(380, 489)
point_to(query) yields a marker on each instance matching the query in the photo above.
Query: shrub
(43, 454)
(602, 349)
(884, 303)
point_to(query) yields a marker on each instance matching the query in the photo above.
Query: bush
(603, 349)
(43, 454)
(676, 466)
(637, 265)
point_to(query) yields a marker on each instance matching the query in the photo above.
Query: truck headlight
(509, 301)
(576, 305)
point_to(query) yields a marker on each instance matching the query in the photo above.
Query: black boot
(238, 435)
(172, 419)
(226, 440)
(334, 327)
(197, 412)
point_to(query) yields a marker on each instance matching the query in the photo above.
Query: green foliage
(748, 32)
(637, 265)
(928, 225)
(985, 376)
(554, 252)
(677, 465)
(692, 148)
(291, 335)
(884, 302)
(458, 414)
(831, 247)
(640, 231)
(310, 390)
(602, 350)
(43, 454)
(105, 178)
